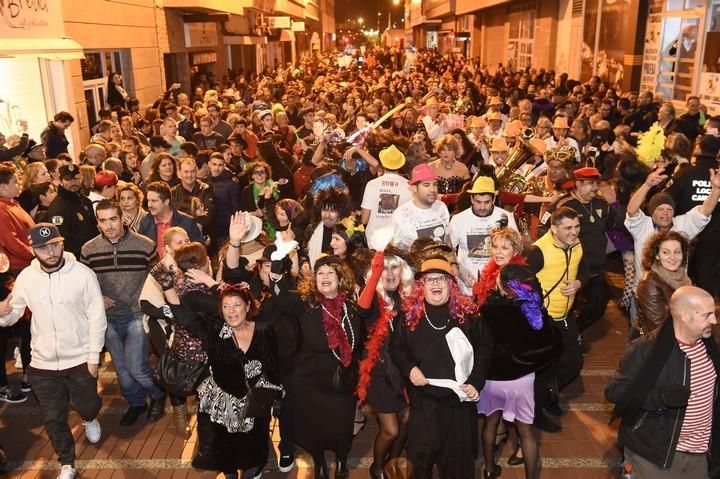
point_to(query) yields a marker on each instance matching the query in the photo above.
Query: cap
(499, 144)
(659, 199)
(560, 122)
(421, 173)
(105, 178)
(68, 172)
(539, 145)
(391, 158)
(434, 265)
(484, 184)
(511, 130)
(158, 141)
(494, 116)
(264, 113)
(476, 122)
(587, 173)
(44, 233)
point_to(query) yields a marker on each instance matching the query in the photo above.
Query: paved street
(585, 449)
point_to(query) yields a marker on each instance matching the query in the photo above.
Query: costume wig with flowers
(413, 304)
(332, 308)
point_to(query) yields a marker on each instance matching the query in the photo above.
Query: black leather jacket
(655, 433)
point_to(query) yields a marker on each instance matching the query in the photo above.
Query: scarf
(674, 279)
(376, 339)
(332, 318)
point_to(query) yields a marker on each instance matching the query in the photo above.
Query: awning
(47, 48)
(287, 36)
(244, 40)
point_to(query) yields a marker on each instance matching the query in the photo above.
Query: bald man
(665, 393)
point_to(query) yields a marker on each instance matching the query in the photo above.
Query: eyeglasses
(436, 279)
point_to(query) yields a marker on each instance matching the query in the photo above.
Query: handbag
(259, 400)
(180, 378)
(345, 379)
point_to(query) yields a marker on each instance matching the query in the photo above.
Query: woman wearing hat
(330, 338)
(381, 384)
(435, 342)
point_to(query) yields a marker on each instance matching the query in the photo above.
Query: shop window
(521, 36)
(673, 5)
(711, 61)
(677, 57)
(96, 68)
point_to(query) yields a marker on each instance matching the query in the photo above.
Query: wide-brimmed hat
(499, 144)
(495, 101)
(476, 122)
(254, 227)
(560, 122)
(422, 173)
(484, 184)
(494, 116)
(435, 264)
(391, 158)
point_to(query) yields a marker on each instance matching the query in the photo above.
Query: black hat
(158, 141)
(269, 249)
(44, 233)
(68, 172)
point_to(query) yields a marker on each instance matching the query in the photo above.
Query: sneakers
(286, 463)
(6, 395)
(25, 387)
(93, 431)
(67, 472)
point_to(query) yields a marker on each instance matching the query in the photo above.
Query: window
(96, 67)
(521, 37)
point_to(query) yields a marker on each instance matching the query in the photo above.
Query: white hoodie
(68, 316)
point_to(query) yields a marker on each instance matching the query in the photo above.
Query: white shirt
(383, 195)
(410, 223)
(641, 228)
(470, 234)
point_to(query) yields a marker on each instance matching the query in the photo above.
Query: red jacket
(16, 224)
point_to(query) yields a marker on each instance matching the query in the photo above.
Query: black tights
(526, 438)
(391, 436)
(320, 464)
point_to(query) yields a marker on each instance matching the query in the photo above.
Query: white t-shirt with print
(383, 195)
(410, 223)
(470, 234)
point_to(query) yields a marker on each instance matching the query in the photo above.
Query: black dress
(322, 416)
(442, 430)
(385, 392)
(236, 441)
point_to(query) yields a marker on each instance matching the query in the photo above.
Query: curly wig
(413, 304)
(308, 287)
(333, 199)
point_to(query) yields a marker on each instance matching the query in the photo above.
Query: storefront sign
(710, 89)
(278, 22)
(203, 57)
(651, 55)
(298, 26)
(201, 34)
(31, 19)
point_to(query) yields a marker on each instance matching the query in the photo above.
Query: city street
(585, 449)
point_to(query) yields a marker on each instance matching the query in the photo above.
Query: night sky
(368, 10)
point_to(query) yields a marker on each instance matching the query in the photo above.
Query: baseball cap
(44, 233)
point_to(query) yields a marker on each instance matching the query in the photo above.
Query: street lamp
(396, 2)
(361, 20)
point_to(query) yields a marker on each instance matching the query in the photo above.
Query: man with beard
(162, 216)
(470, 229)
(424, 216)
(68, 329)
(71, 211)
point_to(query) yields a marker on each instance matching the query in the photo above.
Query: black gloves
(163, 276)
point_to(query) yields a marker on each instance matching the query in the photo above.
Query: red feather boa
(487, 278)
(336, 335)
(378, 334)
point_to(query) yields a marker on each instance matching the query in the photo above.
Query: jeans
(55, 393)
(128, 345)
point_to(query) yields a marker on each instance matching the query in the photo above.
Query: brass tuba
(507, 176)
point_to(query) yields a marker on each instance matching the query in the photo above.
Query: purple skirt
(514, 398)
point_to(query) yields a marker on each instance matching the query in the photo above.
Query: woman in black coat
(324, 377)
(524, 341)
(236, 399)
(116, 95)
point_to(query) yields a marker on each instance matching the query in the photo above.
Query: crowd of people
(418, 239)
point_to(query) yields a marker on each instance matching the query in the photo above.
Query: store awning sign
(31, 19)
(278, 22)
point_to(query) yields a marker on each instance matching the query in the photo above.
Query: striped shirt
(697, 425)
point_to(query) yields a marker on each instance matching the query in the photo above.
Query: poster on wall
(651, 52)
(607, 62)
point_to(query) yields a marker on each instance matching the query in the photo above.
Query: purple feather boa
(530, 302)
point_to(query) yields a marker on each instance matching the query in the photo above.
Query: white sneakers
(93, 431)
(67, 472)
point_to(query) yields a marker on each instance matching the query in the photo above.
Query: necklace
(436, 328)
(589, 211)
(343, 322)
(447, 166)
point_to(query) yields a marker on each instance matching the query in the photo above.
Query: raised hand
(238, 228)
